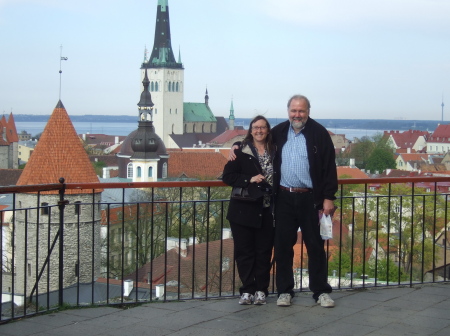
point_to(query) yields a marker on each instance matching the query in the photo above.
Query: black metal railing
(119, 243)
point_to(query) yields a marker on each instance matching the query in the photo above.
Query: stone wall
(36, 227)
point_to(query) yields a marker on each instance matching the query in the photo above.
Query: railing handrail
(206, 183)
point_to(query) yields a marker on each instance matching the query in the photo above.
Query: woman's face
(260, 130)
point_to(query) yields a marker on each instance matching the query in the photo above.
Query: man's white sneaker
(260, 298)
(246, 299)
(284, 300)
(325, 301)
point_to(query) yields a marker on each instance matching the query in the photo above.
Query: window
(44, 208)
(150, 171)
(164, 170)
(77, 208)
(130, 170)
(139, 171)
(156, 86)
(177, 87)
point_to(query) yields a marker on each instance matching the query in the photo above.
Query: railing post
(61, 205)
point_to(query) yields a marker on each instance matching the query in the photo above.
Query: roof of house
(441, 134)
(397, 173)
(171, 266)
(9, 177)
(186, 164)
(109, 160)
(11, 131)
(229, 135)
(353, 172)
(59, 153)
(414, 157)
(406, 139)
(101, 139)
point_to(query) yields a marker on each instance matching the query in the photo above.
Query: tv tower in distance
(442, 105)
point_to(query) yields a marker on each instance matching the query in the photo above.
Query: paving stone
(402, 329)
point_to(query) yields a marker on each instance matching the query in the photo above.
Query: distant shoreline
(369, 124)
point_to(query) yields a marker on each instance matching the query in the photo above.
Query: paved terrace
(420, 310)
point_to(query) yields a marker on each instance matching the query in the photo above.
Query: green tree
(406, 223)
(140, 228)
(381, 157)
(361, 151)
(98, 167)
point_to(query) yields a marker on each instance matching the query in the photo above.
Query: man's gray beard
(297, 124)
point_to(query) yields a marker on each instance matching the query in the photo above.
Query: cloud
(346, 13)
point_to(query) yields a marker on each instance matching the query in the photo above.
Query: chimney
(193, 241)
(183, 248)
(352, 163)
(159, 291)
(408, 150)
(127, 287)
(226, 233)
(116, 140)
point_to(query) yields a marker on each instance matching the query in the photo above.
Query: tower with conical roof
(166, 78)
(58, 154)
(9, 143)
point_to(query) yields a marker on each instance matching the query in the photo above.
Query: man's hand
(231, 155)
(328, 207)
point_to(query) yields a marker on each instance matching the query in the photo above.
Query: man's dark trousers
(294, 210)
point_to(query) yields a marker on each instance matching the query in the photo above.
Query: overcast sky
(362, 59)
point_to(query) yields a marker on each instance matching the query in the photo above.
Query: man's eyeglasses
(259, 128)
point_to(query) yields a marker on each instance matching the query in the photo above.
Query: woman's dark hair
(249, 137)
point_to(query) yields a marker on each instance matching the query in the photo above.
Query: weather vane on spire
(61, 58)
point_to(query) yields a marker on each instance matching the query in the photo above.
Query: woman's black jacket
(238, 173)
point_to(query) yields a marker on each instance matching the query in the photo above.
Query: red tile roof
(172, 266)
(193, 164)
(441, 134)
(59, 153)
(229, 135)
(11, 131)
(406, 139)
(350, 171)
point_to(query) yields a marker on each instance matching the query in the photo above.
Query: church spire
(206, 97)
(145, 104)
(231, 117)
(162, 53)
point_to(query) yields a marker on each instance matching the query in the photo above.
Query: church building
(180, 124)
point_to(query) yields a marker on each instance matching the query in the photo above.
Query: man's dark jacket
(321, 157)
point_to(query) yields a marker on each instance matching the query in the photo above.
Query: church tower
(148, 148)
(166, 79)
(231, 117)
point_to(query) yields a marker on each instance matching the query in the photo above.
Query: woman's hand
(257, 179)
(231, 154)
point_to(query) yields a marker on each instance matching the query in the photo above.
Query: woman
(252, 222)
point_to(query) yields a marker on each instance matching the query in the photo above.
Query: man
(305, 181)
